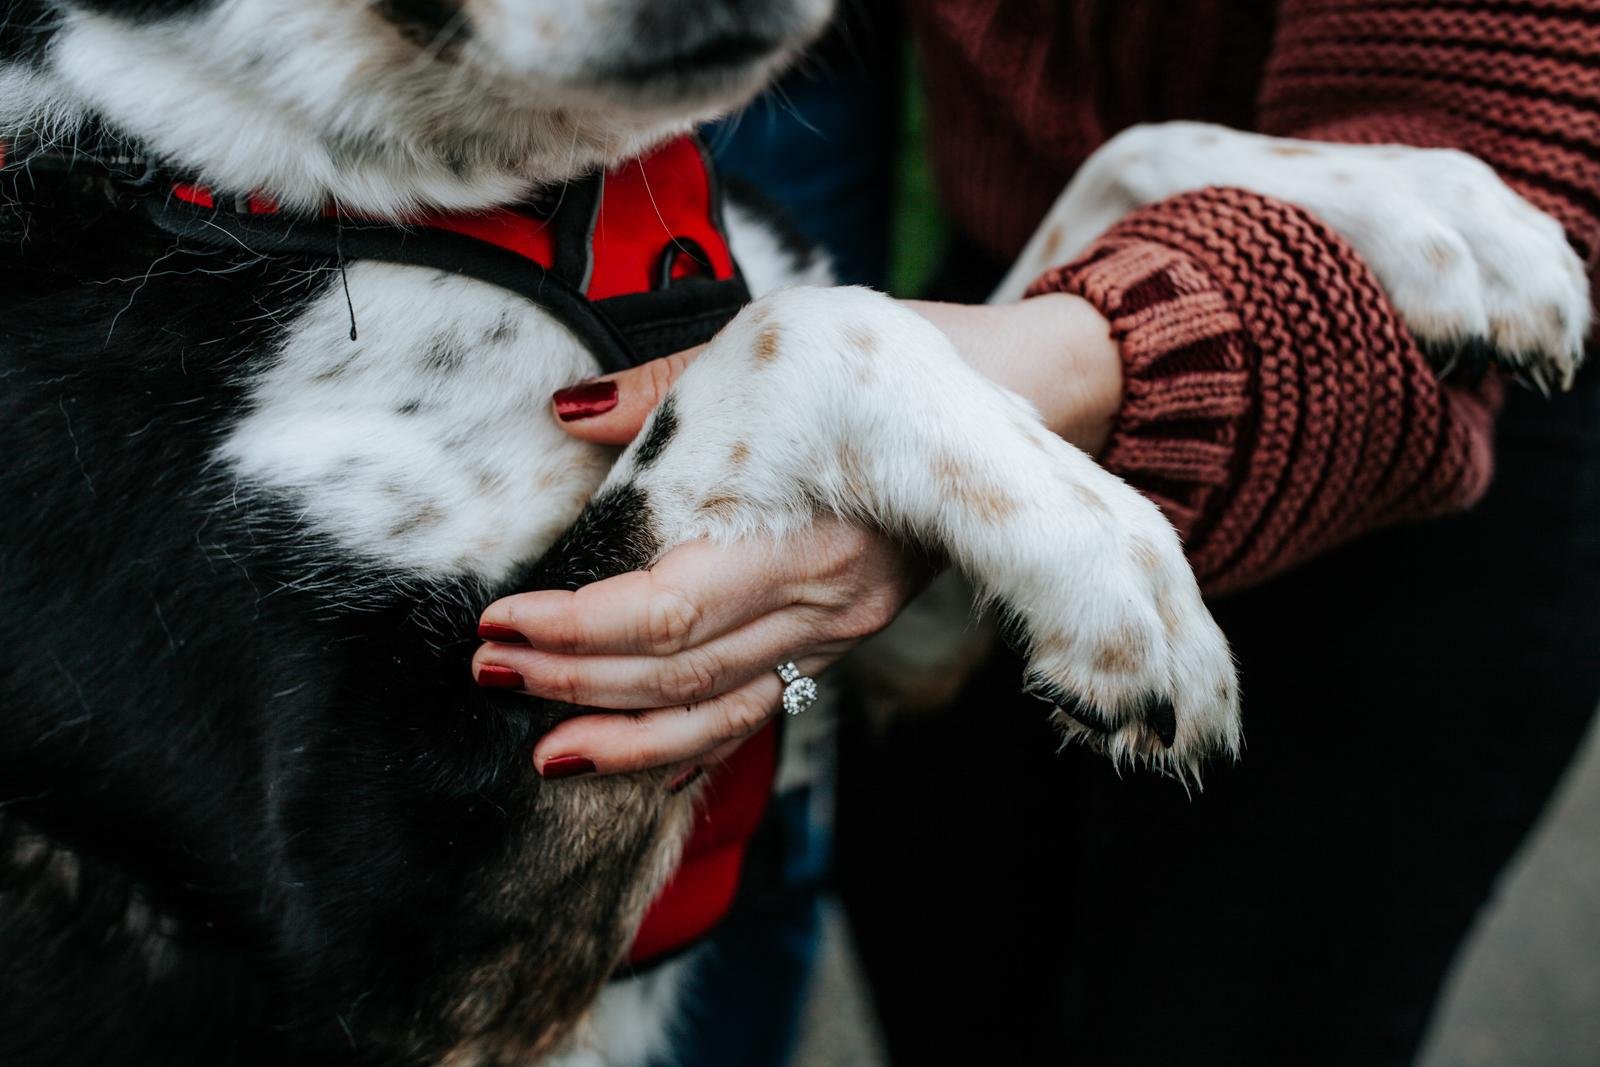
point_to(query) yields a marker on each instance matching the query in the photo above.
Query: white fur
(33, 104)
(323, 81)
(426, 445)
(1460, 254)
(436, 470)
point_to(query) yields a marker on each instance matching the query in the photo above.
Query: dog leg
(841, 400)
(1467, 262)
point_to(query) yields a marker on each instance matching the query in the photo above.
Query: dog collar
(633, 260)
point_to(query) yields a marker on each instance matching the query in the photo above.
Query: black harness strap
(678, 310)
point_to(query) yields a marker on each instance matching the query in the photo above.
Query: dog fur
(1465, 260)
(255, 809)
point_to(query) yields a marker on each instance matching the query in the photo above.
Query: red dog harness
(635, 261)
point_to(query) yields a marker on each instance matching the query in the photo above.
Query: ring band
(799, 692)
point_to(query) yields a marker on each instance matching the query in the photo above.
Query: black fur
(663, 425)
(254, 808)
(433, 24)
(1158, 713)
(132, 10)
(24, 30)
(26, 25)
(614, 535)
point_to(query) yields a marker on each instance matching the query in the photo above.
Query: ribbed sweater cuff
(1274, 404)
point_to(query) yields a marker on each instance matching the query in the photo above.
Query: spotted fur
(1468, 263)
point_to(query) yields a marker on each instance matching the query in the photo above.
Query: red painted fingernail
(567, 767)
(493, 631)
(499, 678)
(685, 780)
(585, 400)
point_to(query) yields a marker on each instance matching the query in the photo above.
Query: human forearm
(1275, 404)
(1054, 350)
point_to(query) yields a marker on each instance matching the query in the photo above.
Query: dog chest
(424, 444)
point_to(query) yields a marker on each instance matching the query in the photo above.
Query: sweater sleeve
(1275, 405)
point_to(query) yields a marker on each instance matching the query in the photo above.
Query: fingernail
(585, 400)
(567, 767)
(499, 678)
(684, 780)
(493, 631)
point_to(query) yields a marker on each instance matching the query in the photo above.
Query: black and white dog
(253, 808)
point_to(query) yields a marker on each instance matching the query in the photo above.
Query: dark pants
(1410, 702)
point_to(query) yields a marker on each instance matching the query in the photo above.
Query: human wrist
(1055, 350)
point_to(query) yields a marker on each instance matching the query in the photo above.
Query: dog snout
(674, 47)
(632, 51)
(620, 52)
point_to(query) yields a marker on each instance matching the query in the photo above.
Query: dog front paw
(1480, 275)
(1136, 667)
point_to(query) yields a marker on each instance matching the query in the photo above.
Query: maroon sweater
(1275, 404)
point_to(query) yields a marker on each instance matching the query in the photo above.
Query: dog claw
(1161, 718)
(1465, 363)
(1083, 714)
(1087, 715)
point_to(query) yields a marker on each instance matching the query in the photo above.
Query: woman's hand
(690, 646)
(1054, 350)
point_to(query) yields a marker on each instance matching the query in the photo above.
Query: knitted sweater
(1275, 404)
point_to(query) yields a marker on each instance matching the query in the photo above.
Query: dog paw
(1480, 275)
(1138, 669)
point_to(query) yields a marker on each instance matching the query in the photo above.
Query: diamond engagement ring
(799, 692)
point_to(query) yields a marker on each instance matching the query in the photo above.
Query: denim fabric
(822, 148)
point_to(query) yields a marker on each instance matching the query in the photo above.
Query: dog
(260, 484)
